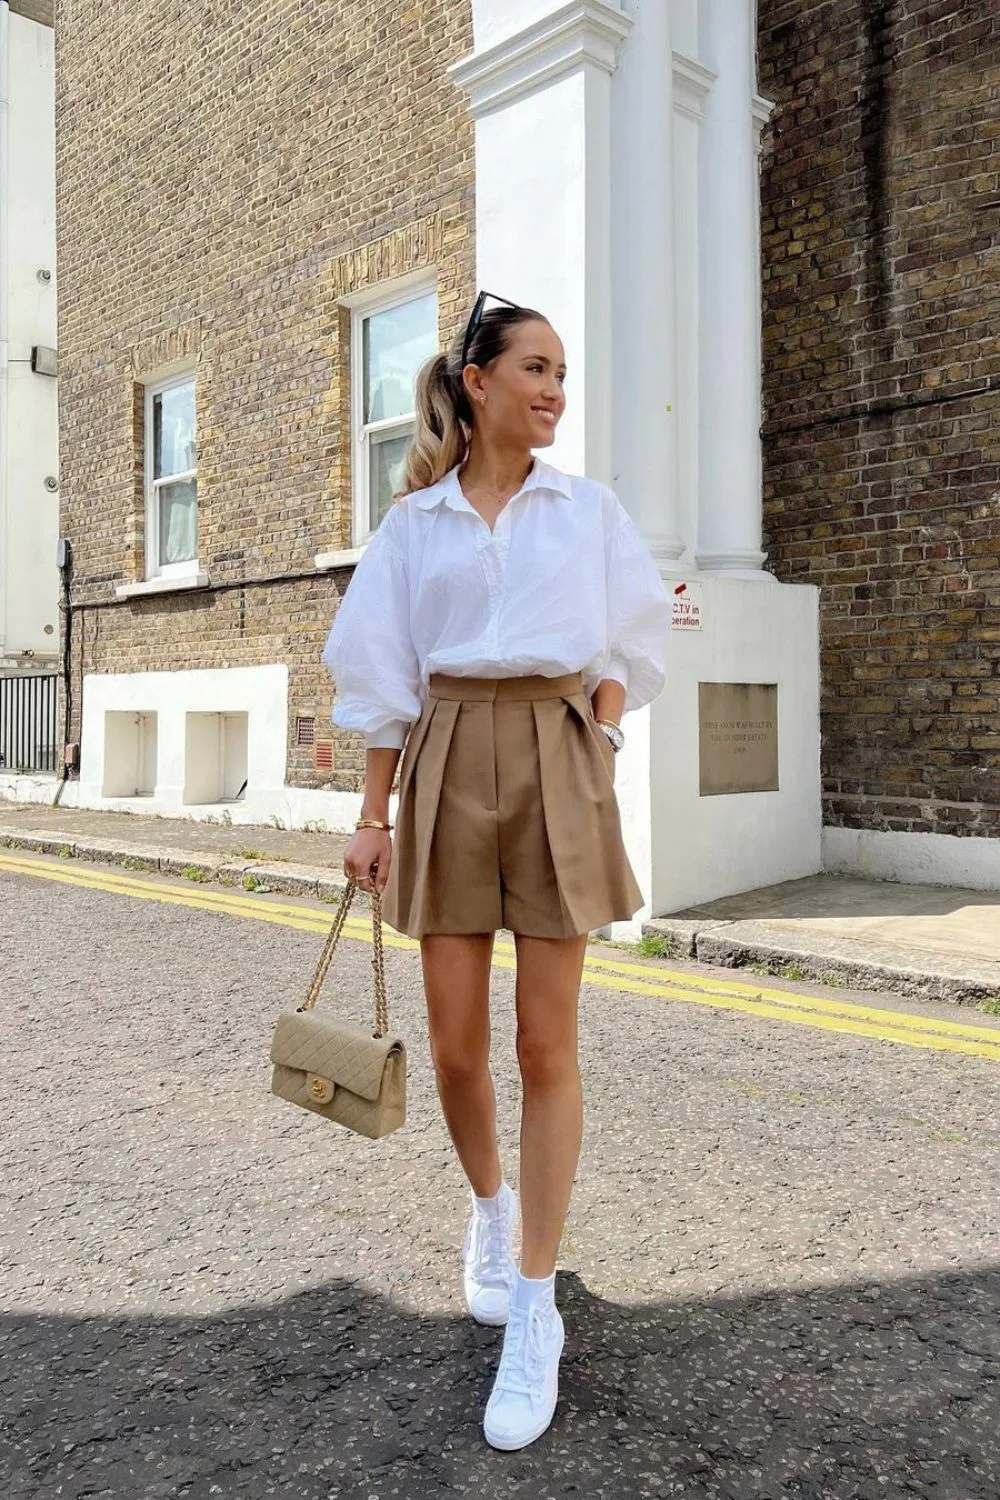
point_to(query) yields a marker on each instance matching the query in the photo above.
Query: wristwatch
(616, 738)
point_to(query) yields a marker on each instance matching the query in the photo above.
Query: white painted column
(729, 526)
(540, 94)
(692, 83)
(646, 444)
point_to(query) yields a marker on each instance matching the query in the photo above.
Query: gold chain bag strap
(354, 1077)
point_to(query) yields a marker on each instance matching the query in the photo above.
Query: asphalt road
(781, 1275)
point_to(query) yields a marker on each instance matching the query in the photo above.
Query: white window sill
(161, 585)
(347, 557)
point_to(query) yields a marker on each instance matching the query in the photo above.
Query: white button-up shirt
(563, 584)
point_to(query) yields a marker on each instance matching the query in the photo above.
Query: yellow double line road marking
(600, 971)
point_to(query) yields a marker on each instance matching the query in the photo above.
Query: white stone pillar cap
(581, 32)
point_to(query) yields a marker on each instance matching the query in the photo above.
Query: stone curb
(855, 965)
(265, 876)
(681, 933)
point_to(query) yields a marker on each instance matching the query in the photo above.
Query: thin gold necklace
(498, 499)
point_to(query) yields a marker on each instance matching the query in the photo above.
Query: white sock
(489, 1206)
(534, 1293)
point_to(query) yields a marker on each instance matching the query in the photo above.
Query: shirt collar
(448, 491)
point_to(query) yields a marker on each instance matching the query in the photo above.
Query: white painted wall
(706, 847)
(29, 444)
(198, 743)
(494, 23)
(259, 692)
(913, 858)
(555, 282)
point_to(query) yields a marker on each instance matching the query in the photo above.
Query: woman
(502, 619)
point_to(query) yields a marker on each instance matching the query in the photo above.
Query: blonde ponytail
(444, 421)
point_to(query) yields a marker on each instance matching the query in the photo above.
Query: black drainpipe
(64, 561)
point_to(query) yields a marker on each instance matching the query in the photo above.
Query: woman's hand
(367, 859)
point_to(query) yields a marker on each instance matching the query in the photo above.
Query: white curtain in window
(178, 522)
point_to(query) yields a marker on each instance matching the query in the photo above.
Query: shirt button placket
(496, 560)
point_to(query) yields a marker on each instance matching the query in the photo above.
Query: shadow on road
(852, 1391)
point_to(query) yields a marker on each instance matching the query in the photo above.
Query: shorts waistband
(492, 689)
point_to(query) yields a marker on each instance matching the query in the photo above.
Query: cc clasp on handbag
(320, 1089)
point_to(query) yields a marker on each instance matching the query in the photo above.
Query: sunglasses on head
(477, 318)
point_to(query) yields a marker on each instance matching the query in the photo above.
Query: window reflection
(396, 344)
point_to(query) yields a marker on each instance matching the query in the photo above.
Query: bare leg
(457, 984)
(548, 992)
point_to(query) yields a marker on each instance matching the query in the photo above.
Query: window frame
(151, 486)
(362, 305)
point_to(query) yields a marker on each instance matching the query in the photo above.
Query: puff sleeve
(370, 651)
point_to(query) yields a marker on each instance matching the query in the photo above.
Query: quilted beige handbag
(342, 1072)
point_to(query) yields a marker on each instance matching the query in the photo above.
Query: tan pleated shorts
(508, 815)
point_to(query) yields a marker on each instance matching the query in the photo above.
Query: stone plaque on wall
(738, 737)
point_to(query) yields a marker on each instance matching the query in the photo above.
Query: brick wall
(880, 240)
(226, 172)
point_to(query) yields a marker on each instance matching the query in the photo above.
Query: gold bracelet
(371, 823)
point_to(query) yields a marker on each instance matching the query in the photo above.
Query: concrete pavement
(781, 1273)
(924, 941)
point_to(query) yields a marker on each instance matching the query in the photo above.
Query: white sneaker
(527, 1385)
(488, 1264)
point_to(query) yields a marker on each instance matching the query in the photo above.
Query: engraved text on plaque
(738, 737)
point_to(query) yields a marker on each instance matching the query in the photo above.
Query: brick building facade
(257, 208)
(880, 224)
(266, 215)
(230, 182)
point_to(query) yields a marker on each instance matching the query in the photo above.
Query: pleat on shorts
(508, 815)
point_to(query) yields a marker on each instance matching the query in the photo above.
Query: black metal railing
(28, 722)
